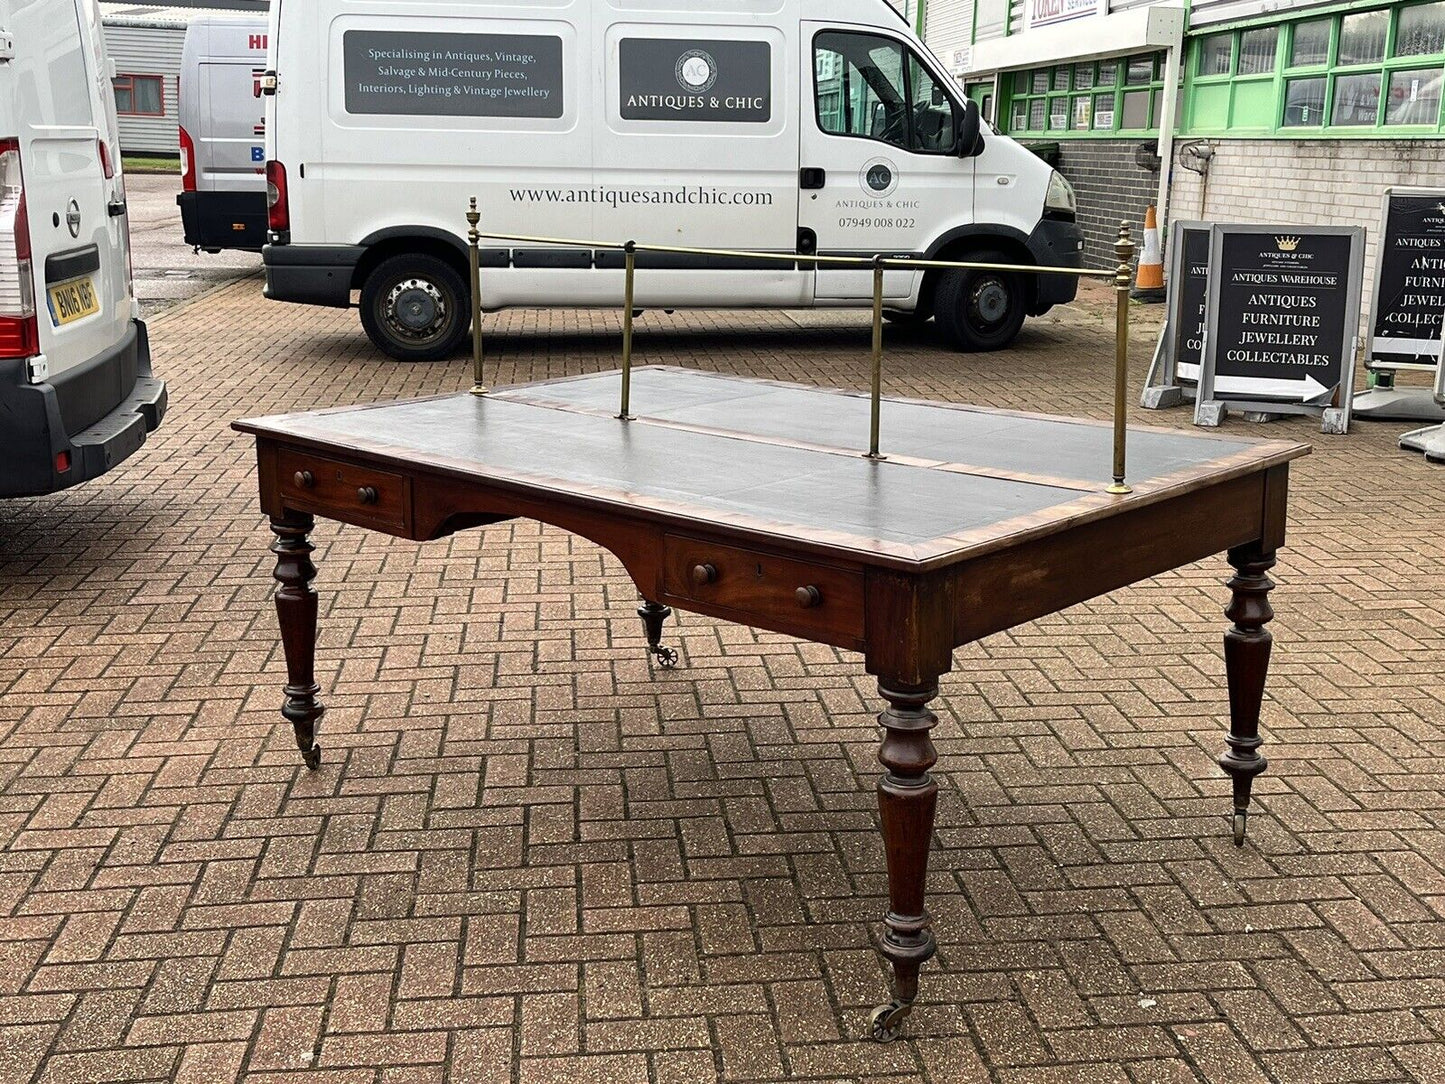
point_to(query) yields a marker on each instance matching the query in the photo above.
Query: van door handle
(812, 178)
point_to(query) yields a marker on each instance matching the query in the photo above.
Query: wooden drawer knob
(304, 479)
(808, 597)
(702, 575)
(367, 495)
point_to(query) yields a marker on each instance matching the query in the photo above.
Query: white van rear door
(879, 174)
(231, 149)
(82, 289)
(230, 139)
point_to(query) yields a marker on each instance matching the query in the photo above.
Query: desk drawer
(811, 600)
(352, 494)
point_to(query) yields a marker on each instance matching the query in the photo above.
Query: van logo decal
(879, 178)
(696, 71)
(692, 80)
(72, 218)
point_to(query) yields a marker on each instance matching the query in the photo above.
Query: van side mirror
(970, 127)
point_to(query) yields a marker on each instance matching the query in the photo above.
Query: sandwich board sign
(1283, 317)
(1180, 352)
(1431, 439)
(1409, 296)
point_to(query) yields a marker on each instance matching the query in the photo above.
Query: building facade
(144, 43)
(144, 46)
(1263, 110)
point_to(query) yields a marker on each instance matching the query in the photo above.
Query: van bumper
(98, 414)
(1056, 244)
(219, 220)
(311, 274)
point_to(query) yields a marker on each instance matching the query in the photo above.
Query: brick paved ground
(529, 858)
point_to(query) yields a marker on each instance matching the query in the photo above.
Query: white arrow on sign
(1308, 390)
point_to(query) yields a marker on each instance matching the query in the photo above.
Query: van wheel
(979, 311)
(414, 308)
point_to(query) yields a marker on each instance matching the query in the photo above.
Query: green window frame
(1354, 73)
(1093, 100)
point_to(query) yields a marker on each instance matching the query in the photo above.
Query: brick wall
(1307, 182)
(1112, 188)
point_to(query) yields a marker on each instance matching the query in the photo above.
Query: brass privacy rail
(1120, 275)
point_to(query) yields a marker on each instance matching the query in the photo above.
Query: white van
(223, 130)
(76, 393)
(792, 126)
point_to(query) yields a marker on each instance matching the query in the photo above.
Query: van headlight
(1060, 197)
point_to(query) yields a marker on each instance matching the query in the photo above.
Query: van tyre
(415, 308)
(980, 311)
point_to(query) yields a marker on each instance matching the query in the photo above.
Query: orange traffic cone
(1149, 280)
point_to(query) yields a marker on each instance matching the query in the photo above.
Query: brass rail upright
(1124, 249)
(474, 242)
(876, 416)
(628, 294)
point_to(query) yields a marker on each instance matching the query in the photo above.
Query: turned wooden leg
(1247, 649)
(296, 610)
(907, 798)
(653, 615)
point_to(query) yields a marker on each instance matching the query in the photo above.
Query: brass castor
(312, 757)
(653, 615)
(886, 1023)
(1241, 826)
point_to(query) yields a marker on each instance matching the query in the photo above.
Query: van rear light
(19, 329)
(106, 165)
(277, 205)
(188, 162)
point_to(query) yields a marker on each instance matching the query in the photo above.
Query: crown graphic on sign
(1287, 244)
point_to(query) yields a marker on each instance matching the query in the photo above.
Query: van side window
(875, 88)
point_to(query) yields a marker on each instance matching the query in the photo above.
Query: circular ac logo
(72, 218)
(879, 178)
(696, 71)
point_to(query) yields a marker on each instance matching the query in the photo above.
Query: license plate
(73, 300)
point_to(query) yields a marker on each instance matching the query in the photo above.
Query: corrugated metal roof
(161, 16)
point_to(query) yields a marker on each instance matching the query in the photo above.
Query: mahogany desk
(749, 501)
